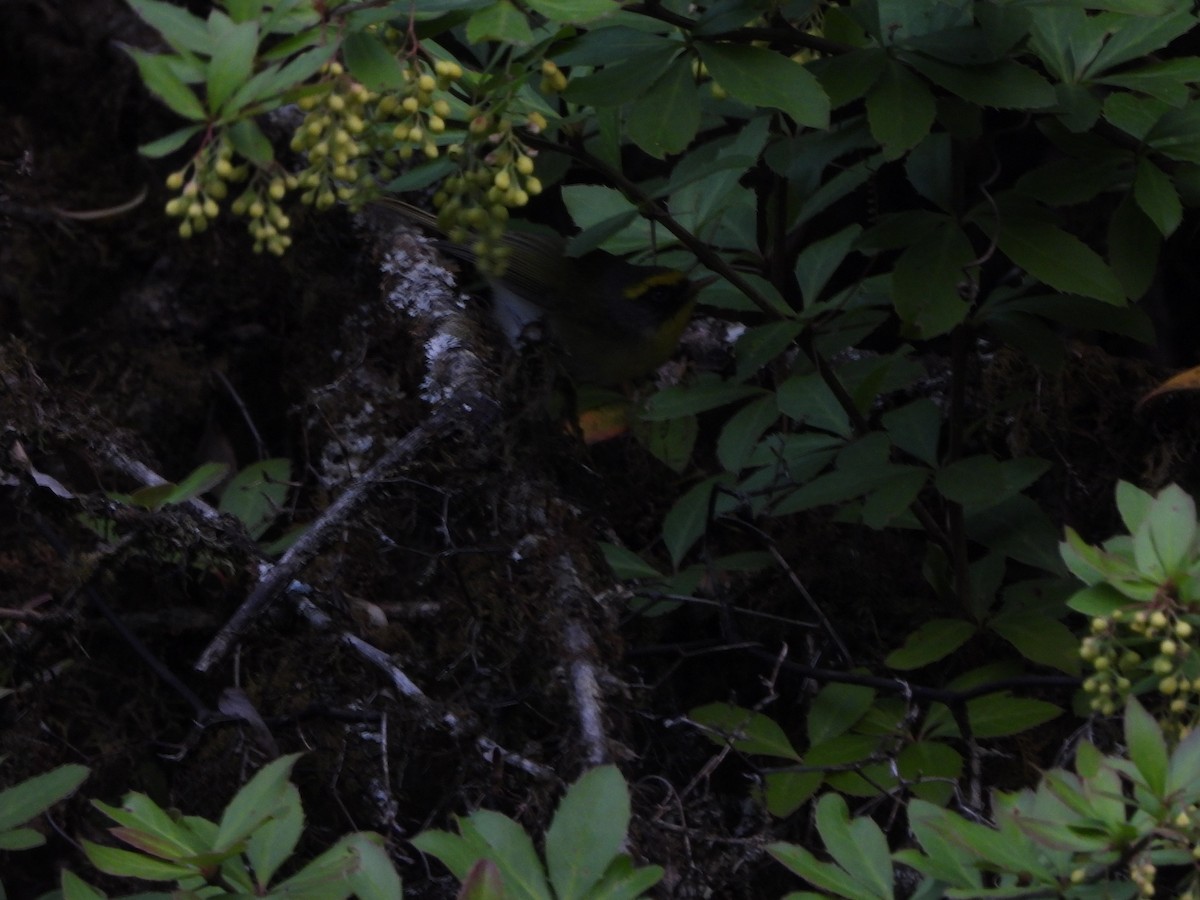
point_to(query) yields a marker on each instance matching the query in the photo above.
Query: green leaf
(248, 140)
(270, 845)
(263, 796)
(746, 730)
(1157, 197)
(1172, 528)
(1177, 133)
(1166, 80)
(181, 29)
(512, 850)
(1005, 84)
(371, 62)
(1133, 504)
(858, 846)
(1133, 248)
(587, 832)
(688, 519)
(455, 852)
(113, 861)
(835, 708)
(1183, 772)
(624, 882)
(916, 428)
(787, 791)
(817, 263)
(700, 396)
(625, 79)
(373, 877)
(1001, 715)
(808, 399)
(626, 564)
(1040, 639)
(257, 494)
(1147, 746)
(162, 81)
(979, 482)
(927, 282)
(170, 143)
(742, 432)
(1058, 259)
(75, 888)
(823, 875)
(33, 796)
(894, 497)
(500, 21)
(1131, 37)
(574, 11)
(664, 120)
(231, 64)
(762, 77)
(932, 768)
(933, 640)
(900, 110)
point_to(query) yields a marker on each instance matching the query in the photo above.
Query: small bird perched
(613, 320)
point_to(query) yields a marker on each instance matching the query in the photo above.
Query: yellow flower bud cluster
(554, 80)
(269, 224)
(473, 206)
(416, 115)
(332, 136)
(1146, 645)
(1141, 873)
(202, 184)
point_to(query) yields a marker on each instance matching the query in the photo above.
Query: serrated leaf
(742, 432)
(900, 110)
(33, 796)
(932, 640)
(627, 564)
(587, 832)
(824, 875)
(664, 119)
(1040, 639)
(858, 846)
(698, 397)
(1005, 84)
(114, 861)
(261, 797)
(1147, 746)
(1001, 715)
(180, 28)
(257, 494)
(231, 64)
(748, 731)
(273, 843)
(248, 140)
(169, 143)
(688, 518)
(927, 282)
(762, 77)
(574, 11)
(1058, 259)
(1172, 527)
(835, 708)
(512, 850)
(371, 62)
(1156, 196)
(162, 81)
(500, 21)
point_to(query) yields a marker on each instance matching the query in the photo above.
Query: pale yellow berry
(1158, 618)
(175, 181)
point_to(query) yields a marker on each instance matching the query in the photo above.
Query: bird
(614, 321)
